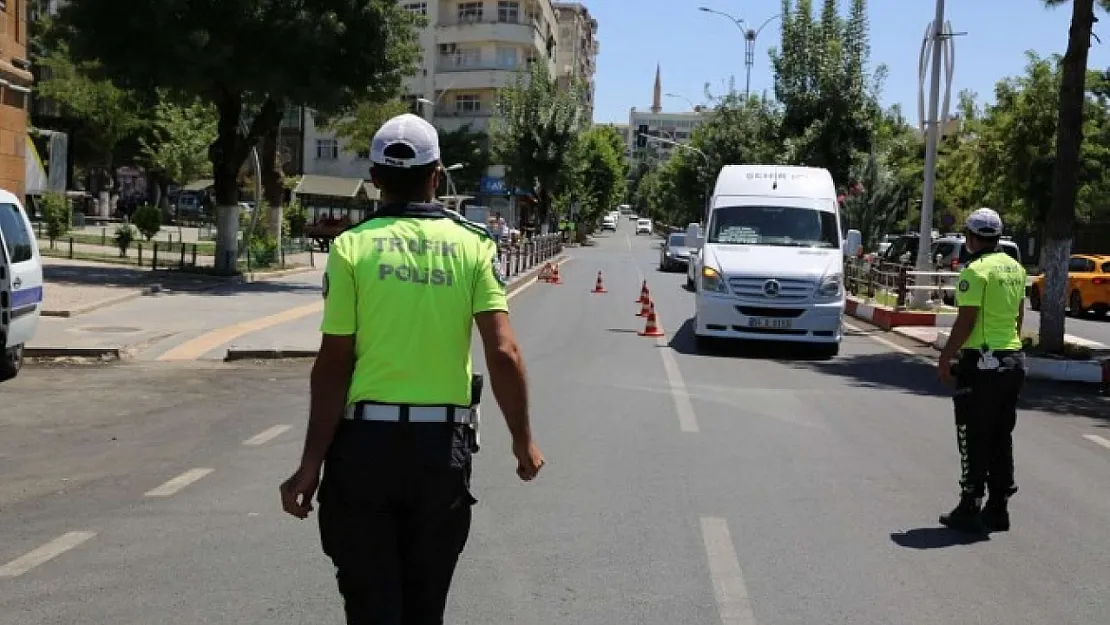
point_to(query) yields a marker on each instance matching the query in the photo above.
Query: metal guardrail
(871, 277)
(520, 257)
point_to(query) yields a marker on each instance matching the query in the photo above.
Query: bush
(148, 219)
(57, 215)
(263, 250)
(125, 235)
(296, 218)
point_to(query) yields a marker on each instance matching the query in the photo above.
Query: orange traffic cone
(599, 287)
(652, 328)
(555, 279)
(646, 307)
(644, 294)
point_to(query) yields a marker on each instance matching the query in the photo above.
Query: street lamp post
(708, 164)
(450, 181)
(693, 107)
(750, 36)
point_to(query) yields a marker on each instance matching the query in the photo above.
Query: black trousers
(394, 523)
(986, 413)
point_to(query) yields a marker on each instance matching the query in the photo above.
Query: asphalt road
(754, 485)
(1089, 326)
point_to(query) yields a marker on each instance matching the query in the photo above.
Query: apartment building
(577, 50)
(15, 89)
(471, 49)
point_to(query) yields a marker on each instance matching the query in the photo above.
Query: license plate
(769, 324)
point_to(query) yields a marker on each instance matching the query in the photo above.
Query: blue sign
(491, 185)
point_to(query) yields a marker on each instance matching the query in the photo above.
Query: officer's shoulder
(479, 229)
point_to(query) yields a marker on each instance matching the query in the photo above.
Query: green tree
(177, 150)
(599, 172)
(57, 215)
(247, 57)
(356, 126)
(534, 132)
(104, 113)
(469, 148)
(829, 104)
(875, 200)
(1065, 179)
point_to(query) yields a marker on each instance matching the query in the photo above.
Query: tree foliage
(535, 131)
(356, 127)
(470, 148)
(248, 57)
(180, 136)
(599, 173)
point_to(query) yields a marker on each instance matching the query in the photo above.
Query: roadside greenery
(57, 216)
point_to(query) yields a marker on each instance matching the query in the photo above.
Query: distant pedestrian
(394, 405)
(990, 372)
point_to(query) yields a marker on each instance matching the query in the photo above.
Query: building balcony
(469, 77)
(480, 30)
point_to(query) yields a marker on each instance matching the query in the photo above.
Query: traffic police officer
(392, 390)
(990, 371)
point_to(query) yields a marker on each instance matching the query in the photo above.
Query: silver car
(675, 254)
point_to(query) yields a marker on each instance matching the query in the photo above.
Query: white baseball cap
(985, 222)
(410, 131)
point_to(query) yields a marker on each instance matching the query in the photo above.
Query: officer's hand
(297, 492)
(944, 370)
(529, 460)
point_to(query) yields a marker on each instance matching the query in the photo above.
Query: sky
(694, 48)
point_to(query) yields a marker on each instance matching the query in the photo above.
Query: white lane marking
(175, 485)
(267, 435)
(687, 420)
(1098, 440)
(878, 339)
(733, 603)
(628, 240)
(44, 554)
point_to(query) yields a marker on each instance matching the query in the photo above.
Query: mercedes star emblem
(771, 288)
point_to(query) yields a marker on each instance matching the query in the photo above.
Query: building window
(463, 58)
(363, 155)
(327, 149)
(507, 58)
(508, 11)
(470, 12)
(468, 104)
(420, 8)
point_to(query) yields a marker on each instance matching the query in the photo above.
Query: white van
(20, 284)
(771, 265)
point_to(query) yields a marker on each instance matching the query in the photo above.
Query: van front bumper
(724, 316)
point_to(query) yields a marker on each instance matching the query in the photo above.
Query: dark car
(675, 253)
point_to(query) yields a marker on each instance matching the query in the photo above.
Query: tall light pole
(750, 37)
(451, 181)
(938, 41)
(708, 164)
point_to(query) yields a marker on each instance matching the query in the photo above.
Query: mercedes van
(771, 264)
(20, 284)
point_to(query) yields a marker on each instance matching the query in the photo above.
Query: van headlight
(712, 281)
(831, 286)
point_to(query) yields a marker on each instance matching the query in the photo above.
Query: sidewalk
(1088, 371)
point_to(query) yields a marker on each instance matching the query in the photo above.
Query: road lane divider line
(687, 418)
(267, 435)
(178, 483)
(880, 340)
(44, 554)
(733, 603)
(201, 345)
(1098, 440)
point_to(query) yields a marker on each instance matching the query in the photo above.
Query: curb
(234, 355)
(887, 318)
(104, 303)
(101, 353)
(1085, 371)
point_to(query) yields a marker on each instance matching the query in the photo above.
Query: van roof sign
(773, 175)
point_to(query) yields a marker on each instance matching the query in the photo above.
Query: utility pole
(938, 42)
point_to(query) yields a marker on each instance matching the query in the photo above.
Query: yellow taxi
(1088, 285)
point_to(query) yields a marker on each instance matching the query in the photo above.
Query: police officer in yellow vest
(392, 390)
(989, 372)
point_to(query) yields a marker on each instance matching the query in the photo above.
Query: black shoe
(965, 517)
(995, 516)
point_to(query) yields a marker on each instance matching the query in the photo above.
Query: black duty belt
(393, 413)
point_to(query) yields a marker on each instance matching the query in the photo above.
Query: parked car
(608, 223)
(643, 226)
(1088, 285)
(675, 253)
(20, 284)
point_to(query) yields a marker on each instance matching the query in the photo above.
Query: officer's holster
(477, 381)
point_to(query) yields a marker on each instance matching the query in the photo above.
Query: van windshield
(783, 226)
